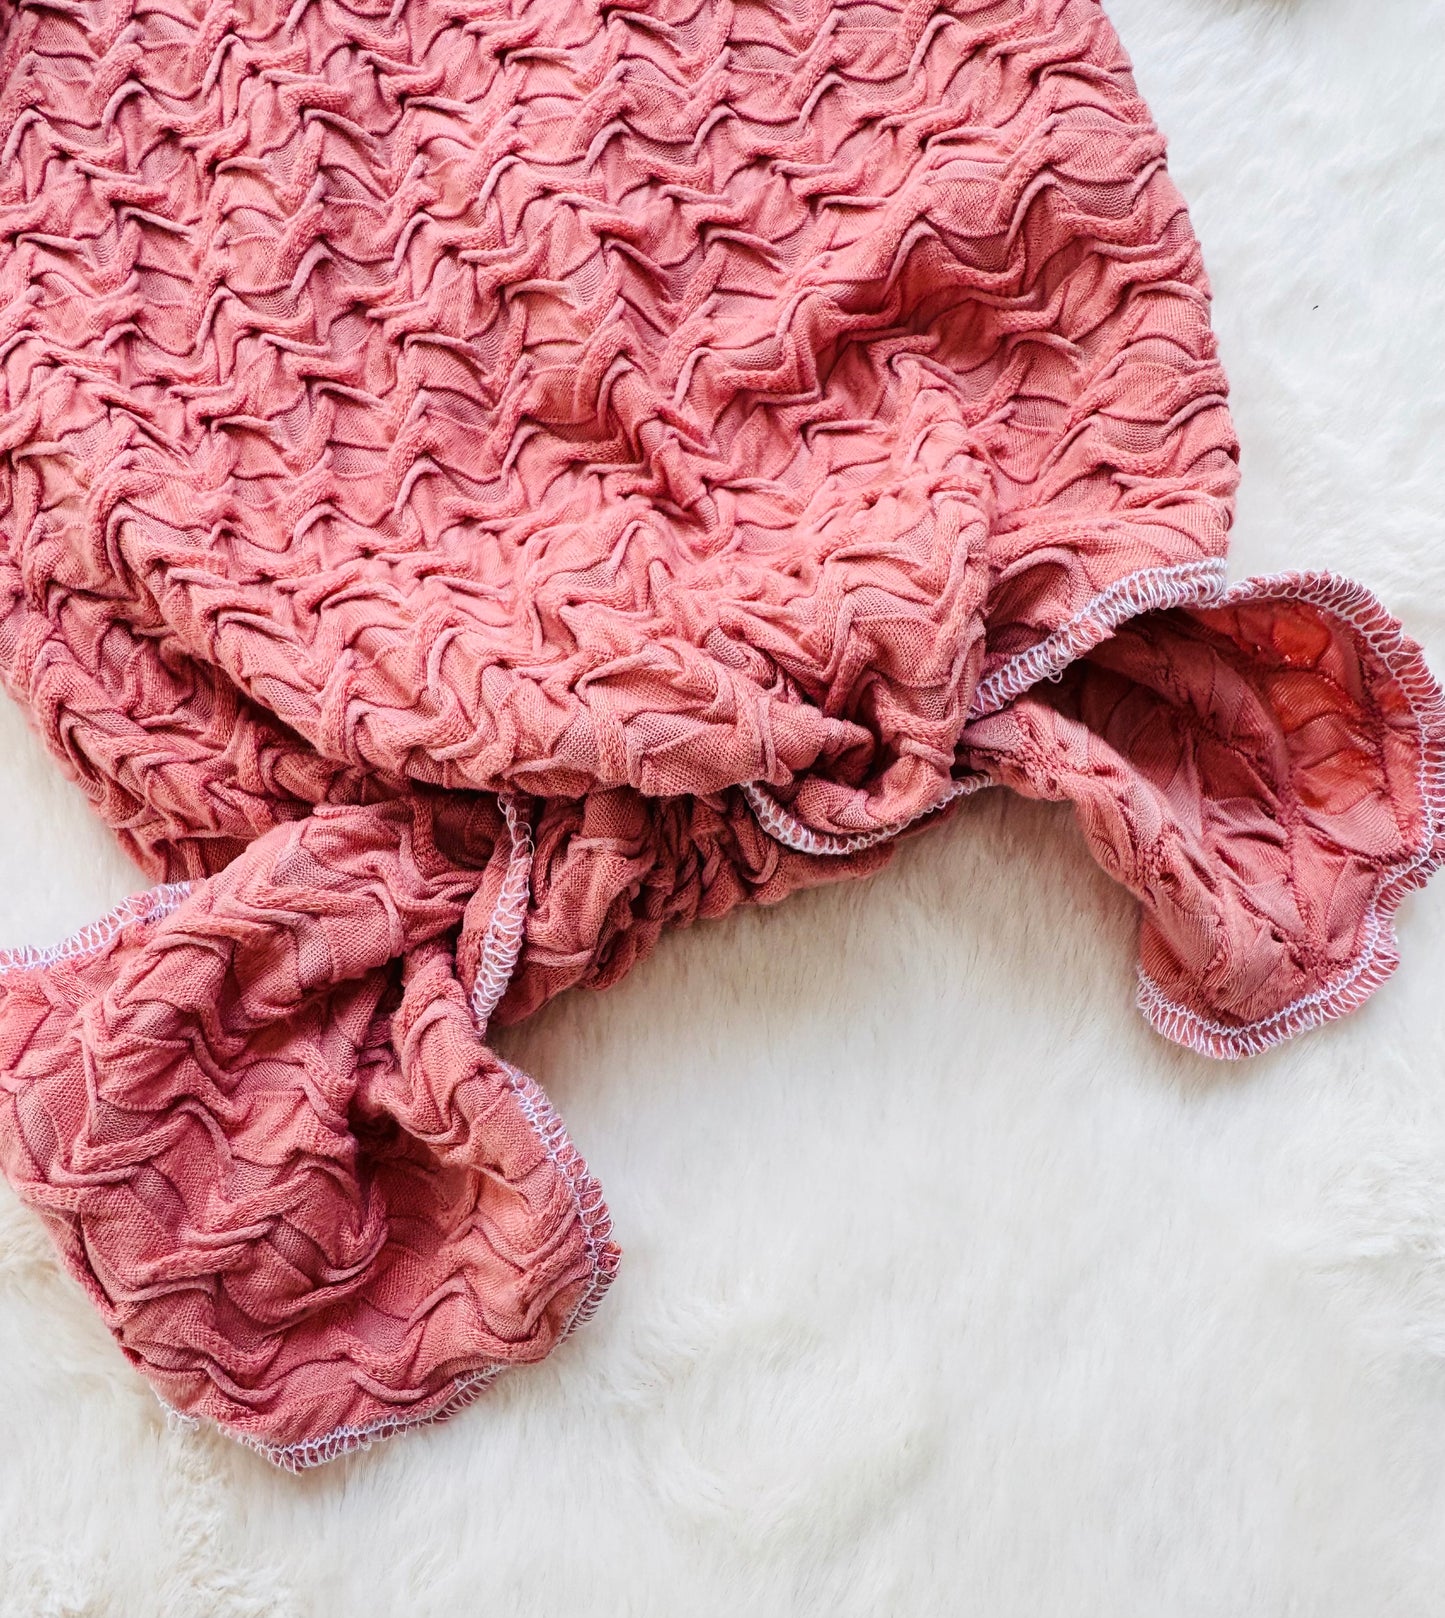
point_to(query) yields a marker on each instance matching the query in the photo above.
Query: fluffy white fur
(948, 1288)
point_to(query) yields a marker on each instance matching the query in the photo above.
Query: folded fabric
(483, 482)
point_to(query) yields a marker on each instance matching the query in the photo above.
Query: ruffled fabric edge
(596, 1223)
(1378, 955)
(500, 949)
(1201, 586)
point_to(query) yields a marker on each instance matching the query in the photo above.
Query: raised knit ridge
(485, 481)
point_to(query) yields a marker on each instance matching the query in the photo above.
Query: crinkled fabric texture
(480, 484)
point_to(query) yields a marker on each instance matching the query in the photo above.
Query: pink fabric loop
(309, 1201)
(1268, 776)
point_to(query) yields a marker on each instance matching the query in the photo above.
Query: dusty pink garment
(483, 481)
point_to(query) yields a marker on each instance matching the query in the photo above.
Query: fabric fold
(482, 486)
(309, 1201)
(1267, 776)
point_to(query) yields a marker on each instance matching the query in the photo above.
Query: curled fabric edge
(592, 1213)
(596, 1221)
(1379, 954)
(1161, 592)
(989, 754)
(1262, 916)
(141, 913)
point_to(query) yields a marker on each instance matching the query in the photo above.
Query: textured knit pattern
(483, 482)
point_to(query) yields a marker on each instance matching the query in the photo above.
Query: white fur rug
(949, 1288)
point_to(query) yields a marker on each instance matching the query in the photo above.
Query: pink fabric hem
(152, 905)
(1379, 955)
(1151, 589)
(596, 1222)
(585, 1191)
(502, 943)
(792, 833)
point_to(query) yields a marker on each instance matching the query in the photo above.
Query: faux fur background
(948, 1288)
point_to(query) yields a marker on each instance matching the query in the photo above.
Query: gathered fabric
(485, 481)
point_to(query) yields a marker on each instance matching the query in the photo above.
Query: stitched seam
(152, 905)
(500, 950)
(792, 833)
(502, 942)
(306, 1453)
(582, 1185)
(1148, 590)
(1362, 612)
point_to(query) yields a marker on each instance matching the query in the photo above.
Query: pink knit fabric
(483, 481)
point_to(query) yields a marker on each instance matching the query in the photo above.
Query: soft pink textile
(483, 481)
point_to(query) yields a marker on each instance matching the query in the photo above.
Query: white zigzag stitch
(1352, 604)
(1187, 584)
(1148, 590)
(502, 943)
(151, 905)
(792, 833)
